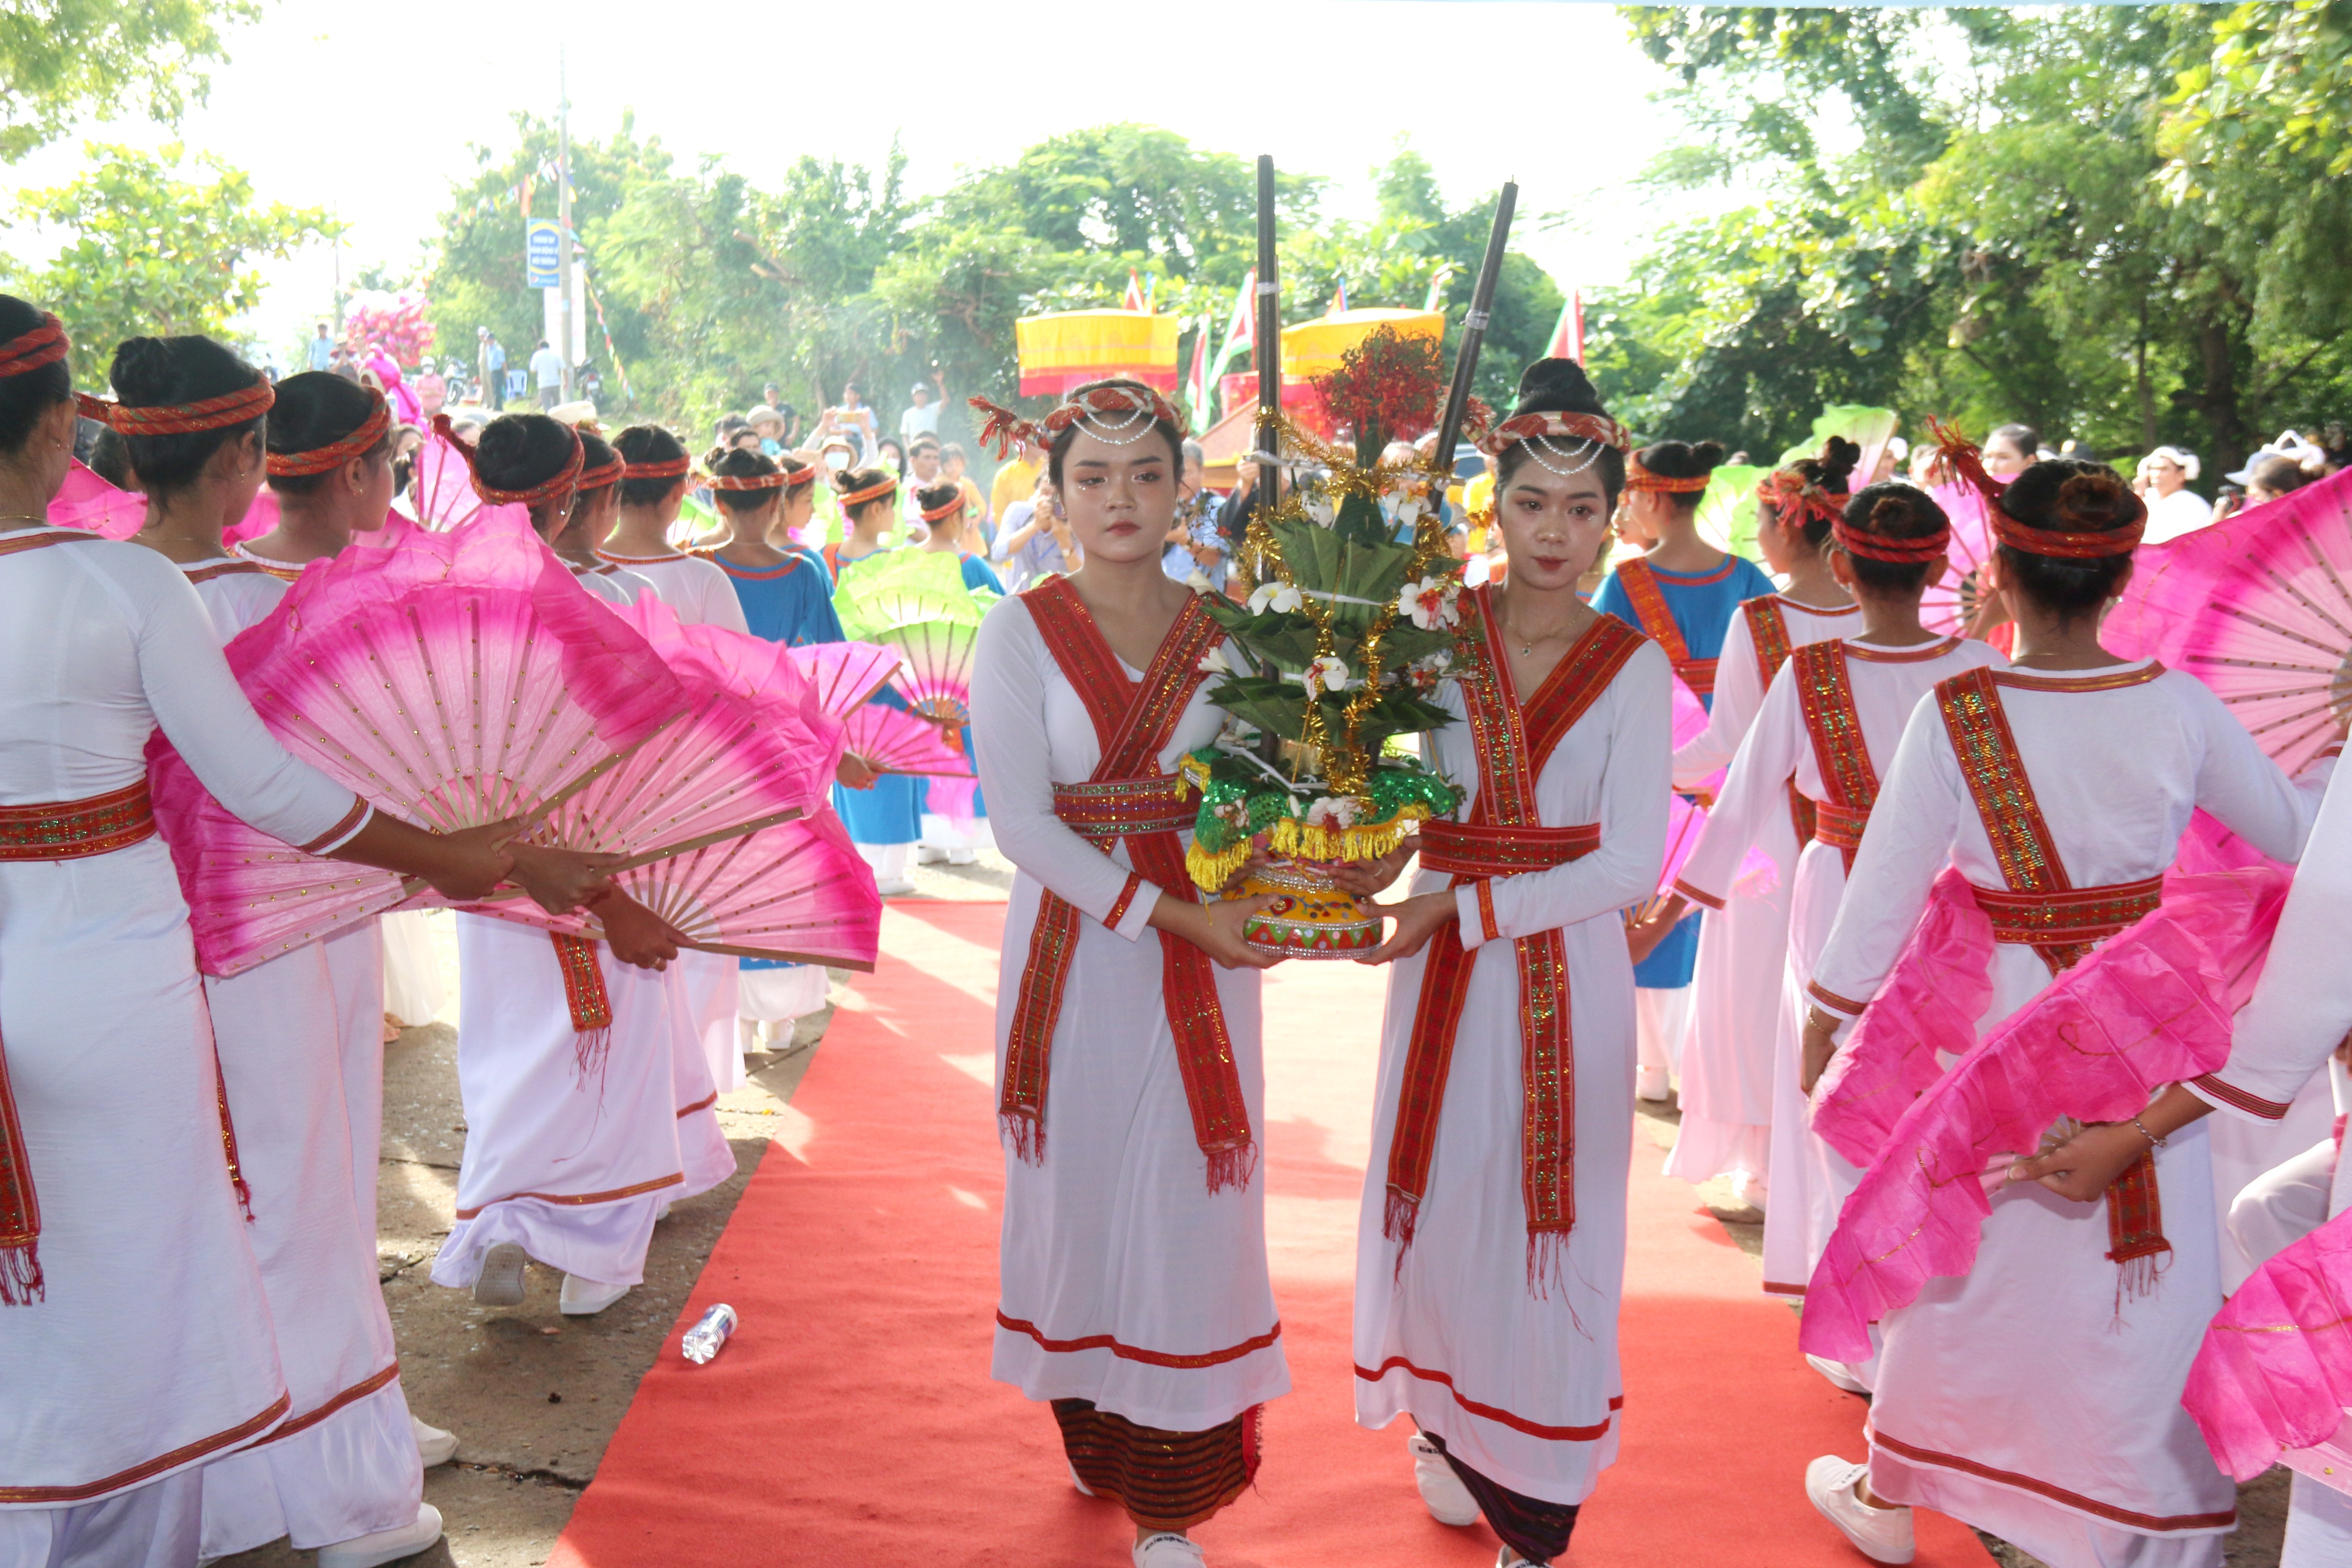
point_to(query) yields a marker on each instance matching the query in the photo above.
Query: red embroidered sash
(1513, 745)
(2040, 903)
(1128, 800)
(584, 995)
(1768, 634)
(1825, 694)
(52, 830)
(1641, 585)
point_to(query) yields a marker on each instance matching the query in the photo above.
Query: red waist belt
(1839, 828)
(1123, 807)
(2076, 917)
(70, 829)
(1698, 674)
(1473, 849)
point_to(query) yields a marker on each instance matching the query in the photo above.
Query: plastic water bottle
(703, 1339)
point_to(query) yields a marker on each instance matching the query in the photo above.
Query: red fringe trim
(1027, 1133)
(21, 1284)
(1231, 1167)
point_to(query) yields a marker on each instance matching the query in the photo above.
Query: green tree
(61, 60)
(151, 252)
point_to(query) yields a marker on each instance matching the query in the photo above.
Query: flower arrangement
(1348, 628)
(395, 320)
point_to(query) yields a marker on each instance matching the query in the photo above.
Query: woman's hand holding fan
(457, 681)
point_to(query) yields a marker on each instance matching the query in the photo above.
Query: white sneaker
(386, 1545)
(1881, 1534)
(1840, 1374)
(1442, 1491)
(1650, 1084)
(1749, 1189)
(962, 857)
(586, 1298)
(930, 855)
(1167, 1551)
(499, 1284)
(893, 886)
(1507, 1558)
(434, 1446)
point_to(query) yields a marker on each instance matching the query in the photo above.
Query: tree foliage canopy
(62, 60)
(2119, 224)
(151, 252)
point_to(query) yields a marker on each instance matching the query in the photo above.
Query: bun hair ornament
(334, 454)
(1543, 432)
(565, 481)
(945, 510)
(1119, 415)
(183, 418)
(35, 347)
(2094, 500)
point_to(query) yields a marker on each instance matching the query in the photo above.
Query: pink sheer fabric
(85, 501)
(2150, 1007)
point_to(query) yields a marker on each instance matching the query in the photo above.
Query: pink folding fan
(893, 740)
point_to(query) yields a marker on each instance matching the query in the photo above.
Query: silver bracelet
(2153, 1140)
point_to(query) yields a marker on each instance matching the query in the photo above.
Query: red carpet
(851, 1420)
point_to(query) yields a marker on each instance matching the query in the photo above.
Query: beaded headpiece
(1119, 415)
(1543, 433)
(334, 454)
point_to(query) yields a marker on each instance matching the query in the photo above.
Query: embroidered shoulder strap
(2027, 858)
(1768, 634)
(1133, 721)
(1825, 695)
(17, 543)
(1649, 600)
(1512, 747)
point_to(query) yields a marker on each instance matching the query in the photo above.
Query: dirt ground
(534, 1397)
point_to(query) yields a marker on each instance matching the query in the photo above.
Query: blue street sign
(542, 254)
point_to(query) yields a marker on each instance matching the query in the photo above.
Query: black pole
(1474, 333)
(1269, 326)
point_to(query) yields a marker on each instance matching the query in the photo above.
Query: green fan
(936, 678)
(1868, 428)
(1726, 510)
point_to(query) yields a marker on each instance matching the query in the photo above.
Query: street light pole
(563, 211)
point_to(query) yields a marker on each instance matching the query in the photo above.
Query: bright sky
(1549, 94)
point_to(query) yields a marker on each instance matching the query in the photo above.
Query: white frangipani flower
(1333, 811)
(1320, 510)
(1280, 597)
(1213, 662)
(1327, 673)
(1431, 600)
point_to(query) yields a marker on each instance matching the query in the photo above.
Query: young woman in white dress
(1490, 1251)
(1726, 1104)
(1134, 1295)
(1825, 734)
(136, 1340)
(2038, 1397)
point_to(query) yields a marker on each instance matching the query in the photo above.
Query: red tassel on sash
(583, 992)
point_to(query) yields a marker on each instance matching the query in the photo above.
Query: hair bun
(2096, 501)
(1890, 515)
(711, 459)
(1557, 386)
(142, 371)
(1839, 459)
(1710, 454)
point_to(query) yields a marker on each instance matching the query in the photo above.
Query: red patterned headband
(803, 475)
(1787, 490)
(1966, 460)
(1899, 552)
(1004, 429)
(607, 472)
(663, 468)
(334, 454)
(945, 510)
(774, 481)
(871, 493)
(1638, 477)
(566, 482)
(1598, 429)
(184, 418)
(35, 347)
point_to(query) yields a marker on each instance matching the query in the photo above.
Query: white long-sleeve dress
(2301, 1009)
(152, 1351)
(697, 590)
(1810, 1179)
(297, 1035)
(2035, 1397)
(1727, 1096)
(574, 1166)
(1523, 1387)
(1124, 1280)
